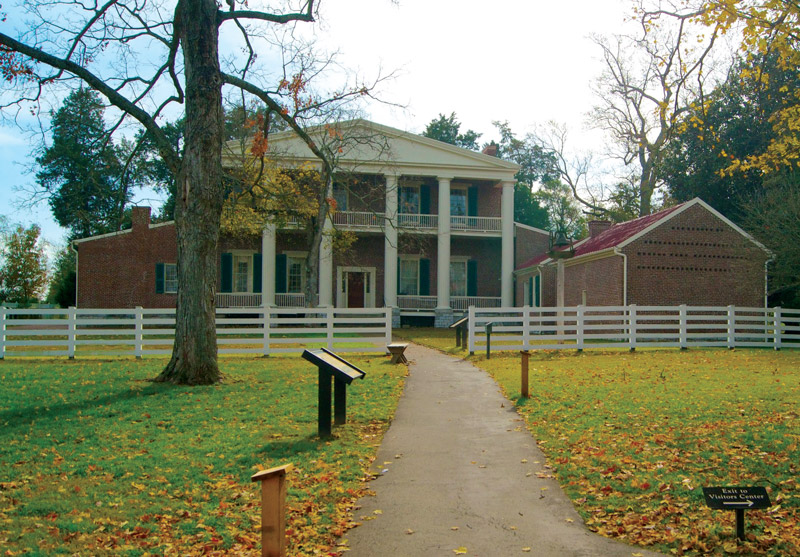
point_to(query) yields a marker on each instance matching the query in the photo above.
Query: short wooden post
(579, 325)
(684, 329)
(273, 510)
(776, 330)
(632, 327)
(524, 378)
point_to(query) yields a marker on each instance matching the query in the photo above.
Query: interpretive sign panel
(329, 365)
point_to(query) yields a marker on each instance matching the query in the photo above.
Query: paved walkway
(460, 471)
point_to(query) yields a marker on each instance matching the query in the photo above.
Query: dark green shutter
(472, 202)
(159, 278)
(257, 273)
(424, 200)
(472, 278)
(280, 273)
(424, 277)
(226, 272)
(537, 301)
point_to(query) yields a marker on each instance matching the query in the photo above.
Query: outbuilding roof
(620, 234)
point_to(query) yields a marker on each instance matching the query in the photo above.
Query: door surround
(341, 285)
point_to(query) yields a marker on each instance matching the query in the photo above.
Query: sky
(523, 61)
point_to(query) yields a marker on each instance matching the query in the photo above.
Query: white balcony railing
(416, 302)
(464, 302)
(476, 224)
(238, 300)
(461, 303)
(253, 300)
(355, 219)
(290, 300)
(418, 222)
(367, 220)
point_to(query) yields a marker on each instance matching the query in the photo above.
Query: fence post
(579, 327)
(632, 327)
(388, 313)
(2, 332)
(471, 324)
(265, 330)
(683, 335)
(526, 328)
(71, 326)
(329, 326)
(731, 327)
(777, 324)
(137, 333)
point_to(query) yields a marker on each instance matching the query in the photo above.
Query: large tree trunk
(199, 199)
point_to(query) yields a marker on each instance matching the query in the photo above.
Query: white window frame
(407, 258)
(464, 260)
(235, 254)
(463, 189)
(301, 255)
(401, 208)
(170, 284)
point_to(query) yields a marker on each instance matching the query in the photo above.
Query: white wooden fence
(632, 327)
(139, 332)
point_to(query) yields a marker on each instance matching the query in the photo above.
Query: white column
(507, 246)
(390, 242)
(443, 259)
(326, 265)
(268, 266)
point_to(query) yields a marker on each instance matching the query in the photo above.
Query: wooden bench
(396, 350)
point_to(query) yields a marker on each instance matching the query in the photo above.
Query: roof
(621, 234)
(366, 146)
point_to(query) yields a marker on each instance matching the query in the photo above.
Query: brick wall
(696, 259)
(528, 244)
(118, 271)
(486, 251)
(601, 279)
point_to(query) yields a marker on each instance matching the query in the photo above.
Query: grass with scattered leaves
(97, 460)
(632, 438)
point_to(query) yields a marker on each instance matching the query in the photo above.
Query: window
(170, 278)
(409, 277)
(458, 202)
(241, 273)
(409, 200)
(458, 278)
(340, 196)
(295, 273)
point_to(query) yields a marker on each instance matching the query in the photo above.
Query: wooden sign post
(524, 379)
(737, 499)
(273, 510)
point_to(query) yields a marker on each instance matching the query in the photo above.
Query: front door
(356, 283)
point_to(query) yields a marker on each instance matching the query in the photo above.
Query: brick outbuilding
(686, 254)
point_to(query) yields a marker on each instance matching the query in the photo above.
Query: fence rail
(139, 332)
(632, 327)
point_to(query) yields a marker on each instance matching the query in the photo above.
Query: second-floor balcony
(361, 220)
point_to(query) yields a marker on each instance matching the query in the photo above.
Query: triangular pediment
(364, 146)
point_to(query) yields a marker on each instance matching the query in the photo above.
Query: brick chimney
(490, 150)
(597, 227)
(140, 217)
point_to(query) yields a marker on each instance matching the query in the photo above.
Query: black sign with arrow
(737, 499)
(730, 498)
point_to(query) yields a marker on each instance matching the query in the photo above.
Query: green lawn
(633, 437)
(96, 460)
